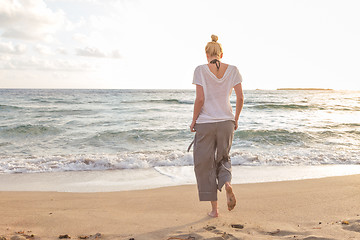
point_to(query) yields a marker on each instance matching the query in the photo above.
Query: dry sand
(305, 209)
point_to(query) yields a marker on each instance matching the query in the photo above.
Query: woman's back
(219, 73)
(217, 87)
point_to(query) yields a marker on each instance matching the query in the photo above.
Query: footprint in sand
(352, 225)
(290, 234)
(221, 234)
(317, 238)
(190, 236)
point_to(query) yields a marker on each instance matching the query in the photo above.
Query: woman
(214, 124)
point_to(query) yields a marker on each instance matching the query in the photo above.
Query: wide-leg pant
(212, 163)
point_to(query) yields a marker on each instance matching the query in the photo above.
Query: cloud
(70, 26)
(115, 54)
(94, 39)
(81, 38)
(95, 52)
(41, 64)
(44, 50)
(62, 50)
(9, 47)
(90, 52)
(29, 20)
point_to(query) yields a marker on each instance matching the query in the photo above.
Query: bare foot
(213, 214)
(231, 200)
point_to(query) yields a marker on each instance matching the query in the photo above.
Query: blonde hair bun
(214, 48)
(214, 38)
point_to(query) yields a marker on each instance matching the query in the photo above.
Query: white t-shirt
(217, 93)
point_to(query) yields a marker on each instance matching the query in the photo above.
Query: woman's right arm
(239, 102)
(199, 102)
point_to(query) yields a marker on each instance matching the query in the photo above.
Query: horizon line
(255, 89)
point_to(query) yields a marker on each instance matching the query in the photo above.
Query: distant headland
(327, 89)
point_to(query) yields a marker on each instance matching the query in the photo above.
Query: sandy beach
(326, 208)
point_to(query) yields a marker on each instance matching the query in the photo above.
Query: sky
(157, 44)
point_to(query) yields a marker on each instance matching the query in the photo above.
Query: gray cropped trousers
(212, 163)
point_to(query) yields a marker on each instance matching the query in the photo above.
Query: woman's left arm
(199, 102)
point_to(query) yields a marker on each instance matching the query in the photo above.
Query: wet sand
(326, 208)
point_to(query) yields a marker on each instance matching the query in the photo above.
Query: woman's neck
(212, 58)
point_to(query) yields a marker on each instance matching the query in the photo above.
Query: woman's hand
(236, 125)
(192, 125)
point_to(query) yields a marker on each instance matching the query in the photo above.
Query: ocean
(43, 130)
(65, 130)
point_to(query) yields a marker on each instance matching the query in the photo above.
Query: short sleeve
(197, 77)
(237, 77)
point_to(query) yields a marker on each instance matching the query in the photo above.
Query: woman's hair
(213, 48)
